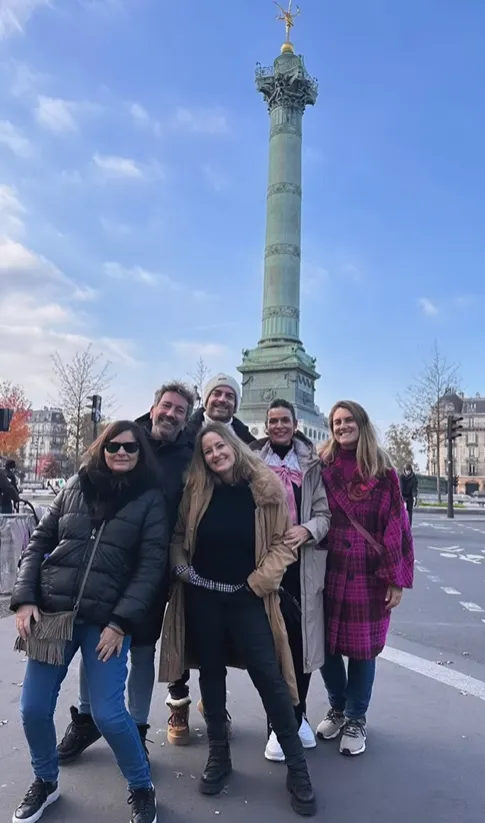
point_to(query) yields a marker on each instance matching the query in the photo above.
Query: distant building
(48, 436)
(469, 449)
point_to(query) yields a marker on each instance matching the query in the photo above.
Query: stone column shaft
(281, 302)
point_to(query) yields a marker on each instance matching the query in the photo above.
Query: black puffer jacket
(239, 428)
(128, 567)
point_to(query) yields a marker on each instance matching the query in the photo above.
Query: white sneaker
(273, 750)
(306, 735)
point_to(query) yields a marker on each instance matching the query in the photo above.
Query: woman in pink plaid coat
(370, 561)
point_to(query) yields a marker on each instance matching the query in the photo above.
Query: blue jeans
(140, 684)
(106, 683)
(349, 692)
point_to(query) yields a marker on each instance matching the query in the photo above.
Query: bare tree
(399, 446)
(422, 407)
(199, 377)
(86, 374)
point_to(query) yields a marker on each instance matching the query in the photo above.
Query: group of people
(257, 554)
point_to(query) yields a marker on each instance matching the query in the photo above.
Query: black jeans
(295, 639)
(179, 689)
(409, 501)
(214, 621)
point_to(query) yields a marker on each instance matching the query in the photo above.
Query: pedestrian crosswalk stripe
(462, 682)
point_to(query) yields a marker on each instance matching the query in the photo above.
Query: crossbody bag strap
(363, 532)
(89, 566)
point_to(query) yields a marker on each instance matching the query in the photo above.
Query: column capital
(287, 83)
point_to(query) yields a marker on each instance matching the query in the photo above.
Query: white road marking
(453, 556)
(433, 578)
(424, 569)
(471, 607)
(459, 681)
(469, 559)
(450, 590)
(445, 548)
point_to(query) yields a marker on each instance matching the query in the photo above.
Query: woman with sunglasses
(101, 551)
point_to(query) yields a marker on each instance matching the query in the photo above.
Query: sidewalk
(424, 761)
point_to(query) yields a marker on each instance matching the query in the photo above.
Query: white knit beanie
(222, 380)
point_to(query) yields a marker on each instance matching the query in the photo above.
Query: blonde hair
(200, 477)
(372, 460)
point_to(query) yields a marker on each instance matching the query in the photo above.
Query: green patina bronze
(279, 366)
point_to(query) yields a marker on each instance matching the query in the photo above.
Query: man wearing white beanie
(221, 397)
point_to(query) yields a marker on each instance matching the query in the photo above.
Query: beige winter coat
(315, 516)
(271, 560)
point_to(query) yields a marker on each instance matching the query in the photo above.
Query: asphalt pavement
(446, 610)
(426, 742)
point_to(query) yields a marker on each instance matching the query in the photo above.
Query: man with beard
(221, 397)
(173, 448)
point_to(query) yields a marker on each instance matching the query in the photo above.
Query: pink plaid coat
(357, 577)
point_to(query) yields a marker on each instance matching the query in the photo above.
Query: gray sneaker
(331, 726)
(354, 734)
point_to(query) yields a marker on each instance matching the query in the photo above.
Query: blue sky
(133, 161)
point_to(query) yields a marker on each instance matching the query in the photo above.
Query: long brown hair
(372, 460)
(200, 477)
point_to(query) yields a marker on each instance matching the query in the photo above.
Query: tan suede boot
(178, 732)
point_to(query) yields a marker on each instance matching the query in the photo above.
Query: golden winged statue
(287, 16)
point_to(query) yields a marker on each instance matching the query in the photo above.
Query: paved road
(424, 761)
(446, 610)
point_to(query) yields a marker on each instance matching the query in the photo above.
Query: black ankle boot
(299, 785)
(218, 768)
(81, 733)
(142, 731)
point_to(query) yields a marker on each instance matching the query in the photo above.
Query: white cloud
(139, 275)
(11, 211)
(195, 349)
(201, 120)
(24, 80)
(118, 167)
(39, 311)
(353, 271)
(85, 294)
(16, 257)
(14, 139)
(144, 120)
(216, 179)
(14, 14)
(429, 308)
(313, 279)
(56, 114)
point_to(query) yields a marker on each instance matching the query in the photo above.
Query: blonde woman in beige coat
(293, 458)
(228, 558)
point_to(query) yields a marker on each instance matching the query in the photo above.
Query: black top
(409, 485)
(291, 578)
(226, 537)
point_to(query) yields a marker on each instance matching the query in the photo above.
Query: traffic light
(5, 419)
(455, 482)
(95, 408)
(454, 427)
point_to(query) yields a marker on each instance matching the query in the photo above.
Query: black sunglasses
(130, 448)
